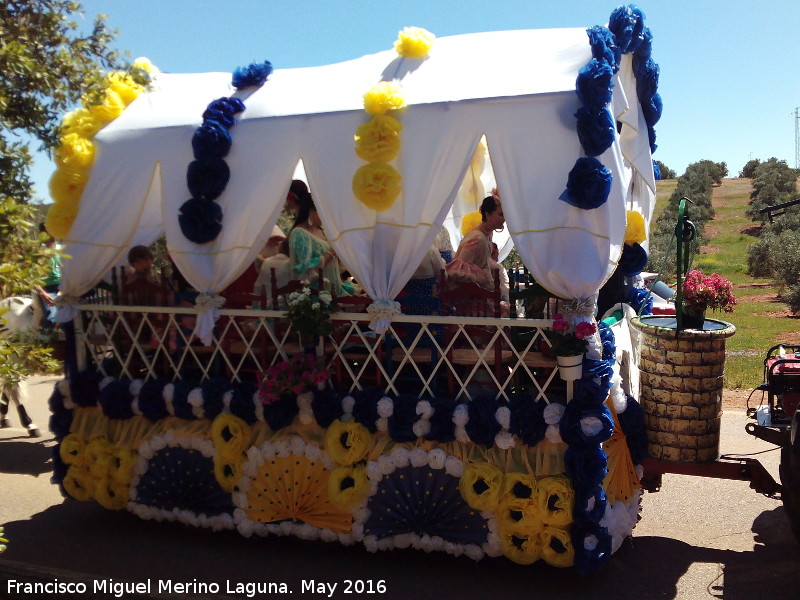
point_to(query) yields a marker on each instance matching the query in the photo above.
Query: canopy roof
(515, 87)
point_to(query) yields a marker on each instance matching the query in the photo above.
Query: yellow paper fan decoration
(377, 185)
(481, 485)
(635, 232)
(378, 140)
(414, 42)
(621, 480)
(470, 221)
(294, 488)
(384, 97)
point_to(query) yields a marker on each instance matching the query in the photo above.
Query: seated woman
(309, 250)
(473, 260)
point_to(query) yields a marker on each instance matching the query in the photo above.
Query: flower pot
(693, 319)
(570, 368)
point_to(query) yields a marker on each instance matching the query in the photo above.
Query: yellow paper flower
(67, 184)
(59, 220)
(100, 452)
(231, 436)
(78, 483)
(347, 486)
(73, 450)
(470, 221)
(111, 494)
(347, 443)
(377, 186)
(635, 230)
(555, 498)
(378, 140)
(512, 518)
(227, 472)
(481, 485)
(124, 85)
(144, 64)
(109, 109)
(522, 548)
(414, 42)
(74, 151)
(383, 97)
(519, 490)
(556, 547)
(81, 122)
(123, 461)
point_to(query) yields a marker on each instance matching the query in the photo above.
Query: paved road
(698, 539)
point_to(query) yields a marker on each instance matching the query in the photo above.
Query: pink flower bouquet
(291, 377)
(564, 342)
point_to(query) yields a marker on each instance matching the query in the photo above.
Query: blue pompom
(627, 24)
(327, 406)
(596, 130)
(604, 46)
(401, 423)
(647, 73)
(651, 138)
(223, 111)
(588, 184)
(207, 178)
(442, 426)
(253, 74)
(211, 140)
(633, 260)
(571, 429)
(242, 402)
(281, 413)
(115, 399)
(200, 220)
(586, 467)
(592, 545)
(641, 301)
(594, 84)
(151, 400)
(482, 426)
(652, 109)
(527, 419)
(590, 506)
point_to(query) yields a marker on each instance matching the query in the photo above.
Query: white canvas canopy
(515, 87)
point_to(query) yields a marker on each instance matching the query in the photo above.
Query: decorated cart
(403, 429)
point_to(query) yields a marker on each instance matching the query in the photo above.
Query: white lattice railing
(423, 355)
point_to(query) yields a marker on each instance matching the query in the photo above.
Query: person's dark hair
(305, 203)
(138, 253)
(488, 205)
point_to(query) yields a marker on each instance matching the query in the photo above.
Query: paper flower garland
(378, 184)
(200, 218)
(74, 155)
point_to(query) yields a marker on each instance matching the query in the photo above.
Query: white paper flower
(553, 413)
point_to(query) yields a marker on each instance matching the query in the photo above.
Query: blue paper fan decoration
(182, 478)
(423, 500)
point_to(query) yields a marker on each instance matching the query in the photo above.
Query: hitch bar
(740, 469)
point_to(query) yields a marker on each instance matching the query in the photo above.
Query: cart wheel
(790, 475)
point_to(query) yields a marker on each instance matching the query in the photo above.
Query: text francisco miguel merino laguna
(119, 589)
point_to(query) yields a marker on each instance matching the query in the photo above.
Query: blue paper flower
(200, 220)
(213, 390)
(633, 260)
(588, 184)
(482, 426)
(365, 409)
(211, 140)
(647, 74)
(596, 129)
(207, 178)
(281, 413)
(327, 406)
(223, 111)
(253, 74)
(180, 399)
(115, 399)
(631, 420)
(586, 467)
(151, 400)
(604, 46)
(641, 300)
(571, 426)
(651, 137)
(651, 109)
(84, 387)
(442, 426)
(645, 47)
(627, 23)
(242, 403)
(401, 423)
(527, 419)
(594, 84)
(590, 506)
(592, 545)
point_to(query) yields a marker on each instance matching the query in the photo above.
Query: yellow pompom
(383, 97)
(347, 486)
(523, 548)
(470, 221)
(81, 122)
(556, 547)
(78, 483)
(635, 230)
(74, 151)
(66, 186)
(73, 450)
(124, 85)
(231, 436)
(59, 220)
(124, 461)
(556, 498)
(378, 140)
(377, 185)
(227, 472)
(347, 443)
(144, 64)
(414, 42)
(519, 490)
(481, 485)
(109, 109)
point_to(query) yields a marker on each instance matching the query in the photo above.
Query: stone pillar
(681, 377)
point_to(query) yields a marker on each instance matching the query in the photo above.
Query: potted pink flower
(291, 378)
(569, 345)
(701, 292)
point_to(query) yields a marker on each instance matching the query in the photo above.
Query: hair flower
(414, 42)
(378, 140)
(384, 97)
(470, 221)
(377, 185)
(252, 75)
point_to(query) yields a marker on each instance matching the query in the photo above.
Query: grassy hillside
(761, 320)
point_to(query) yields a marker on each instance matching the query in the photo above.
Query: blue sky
(728, 68)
